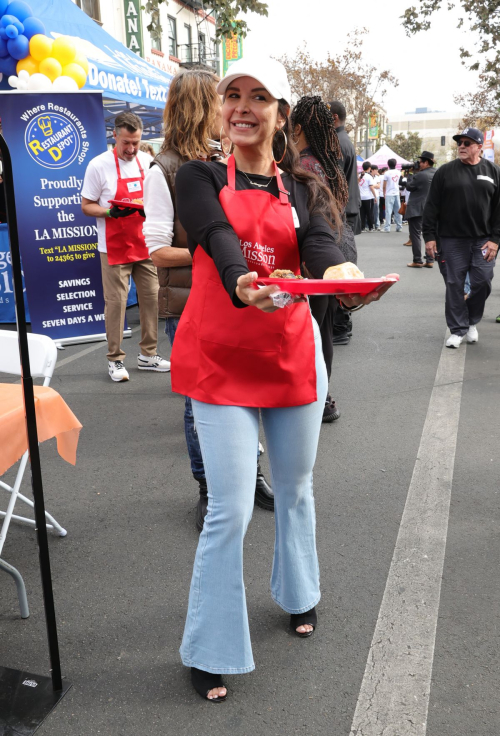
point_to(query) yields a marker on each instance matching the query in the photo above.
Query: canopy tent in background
(127, 81)
(383, 154)
(359, 162)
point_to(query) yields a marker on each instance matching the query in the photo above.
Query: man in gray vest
(419, 186)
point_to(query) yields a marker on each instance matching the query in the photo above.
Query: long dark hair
(316, 121)
(320, 199)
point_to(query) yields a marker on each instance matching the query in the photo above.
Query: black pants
(415, 228)
(381, 210)
(366, 213)
(457, 257)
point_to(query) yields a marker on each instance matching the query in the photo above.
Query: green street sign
(133, 26)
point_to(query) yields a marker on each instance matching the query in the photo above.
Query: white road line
(394, 695)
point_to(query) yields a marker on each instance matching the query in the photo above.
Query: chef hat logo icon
(45, 124)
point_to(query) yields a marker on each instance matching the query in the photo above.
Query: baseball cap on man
(270, 73)
(473, 133)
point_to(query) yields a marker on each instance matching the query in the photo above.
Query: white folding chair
(43, 357)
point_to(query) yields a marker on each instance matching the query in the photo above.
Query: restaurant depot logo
(52, 140)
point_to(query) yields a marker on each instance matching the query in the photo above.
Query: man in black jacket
(419, 186)
(342, 325)
(463, 210)
(350, 166)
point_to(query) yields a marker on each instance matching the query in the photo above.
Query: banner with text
(52, 137)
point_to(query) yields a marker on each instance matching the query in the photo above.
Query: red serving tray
(126, 203)
(316, 287)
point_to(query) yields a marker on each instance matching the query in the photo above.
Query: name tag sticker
(486, 178)
(296, 222)
(134, 186)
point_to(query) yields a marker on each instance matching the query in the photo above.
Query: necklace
(255, 184)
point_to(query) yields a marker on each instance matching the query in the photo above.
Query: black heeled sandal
(303, 619)
(203, 682)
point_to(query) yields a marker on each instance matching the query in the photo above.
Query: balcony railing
(196, 54)
(196, 4)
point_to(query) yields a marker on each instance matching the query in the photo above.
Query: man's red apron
(124, 238)
(246, 357)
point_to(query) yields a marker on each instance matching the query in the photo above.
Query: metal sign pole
(29, 405)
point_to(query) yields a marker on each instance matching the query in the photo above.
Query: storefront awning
(126, 80)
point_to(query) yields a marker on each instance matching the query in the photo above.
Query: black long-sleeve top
(463, 202)
(198, 184)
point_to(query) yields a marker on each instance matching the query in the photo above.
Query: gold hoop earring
(222, 136)
(280, 130)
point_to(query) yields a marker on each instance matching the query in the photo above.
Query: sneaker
(408, 242)
(153, 363)
(398, 230)
(498, 318)
(429, 264)
(454, 341)
(472, 334)
(117, 371)
(415, 265)
(330, 412)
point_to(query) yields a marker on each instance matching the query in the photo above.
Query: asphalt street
(121, 576)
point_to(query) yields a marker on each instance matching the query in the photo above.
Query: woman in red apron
(237, 355)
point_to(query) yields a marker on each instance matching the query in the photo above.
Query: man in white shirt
(367, 193)
(391, 195)
(119, 175)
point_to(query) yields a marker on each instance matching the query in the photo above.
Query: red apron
(246, 357)
(124, 238)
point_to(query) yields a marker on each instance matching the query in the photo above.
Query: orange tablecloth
(54, 418)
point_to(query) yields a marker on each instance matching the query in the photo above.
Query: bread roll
(346, 270)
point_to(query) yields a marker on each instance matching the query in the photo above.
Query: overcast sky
(427, 65)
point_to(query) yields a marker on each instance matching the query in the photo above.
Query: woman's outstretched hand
(355, 300)
(260, 298)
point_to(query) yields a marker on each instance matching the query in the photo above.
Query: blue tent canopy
(359, 158)
(126, 80)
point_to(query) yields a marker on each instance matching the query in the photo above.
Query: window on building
(155, 42)
(189, 45)
(91, 8)
(215, 56)
(202, 41)
(443, 140)
(172, 36)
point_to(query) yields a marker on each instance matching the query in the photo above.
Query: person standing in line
(316, 139)
(342, 322)
(191, 123)
(391, 196)
(349, 165)
(367, 193)
(376, 185)
(463, 211)
(238, 355)
(418, 186)
(119, 174)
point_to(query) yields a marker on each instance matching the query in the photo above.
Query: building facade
(188, 31)
(435, 128)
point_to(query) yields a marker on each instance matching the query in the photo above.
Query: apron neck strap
(118, 165)
(231, 179)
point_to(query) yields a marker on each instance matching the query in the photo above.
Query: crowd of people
(244, 185)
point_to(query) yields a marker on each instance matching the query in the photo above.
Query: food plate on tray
(127, 203)
(317, 287)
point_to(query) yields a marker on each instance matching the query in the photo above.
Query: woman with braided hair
(316, 139)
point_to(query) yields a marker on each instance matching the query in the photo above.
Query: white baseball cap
(269, 72)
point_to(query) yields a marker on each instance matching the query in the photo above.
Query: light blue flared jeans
(216, 636)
